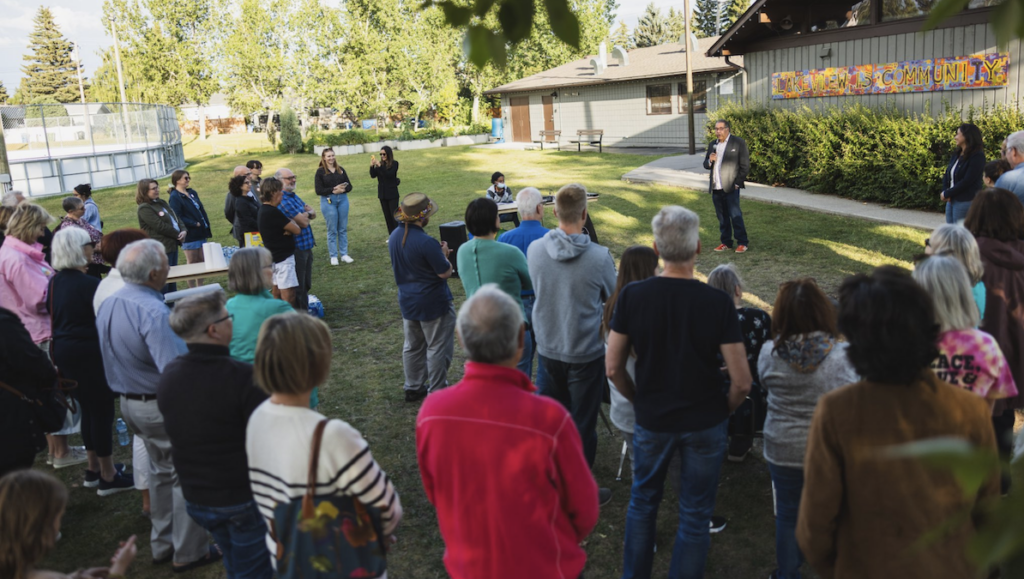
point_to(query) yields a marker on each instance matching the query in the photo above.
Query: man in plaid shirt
(291, 205)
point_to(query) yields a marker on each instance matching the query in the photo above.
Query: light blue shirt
(92, 214)
(1013, 181)
(136, 339)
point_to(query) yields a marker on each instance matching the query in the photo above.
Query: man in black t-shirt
(278, 233)
(677, 326)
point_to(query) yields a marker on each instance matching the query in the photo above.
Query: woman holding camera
(385, 172)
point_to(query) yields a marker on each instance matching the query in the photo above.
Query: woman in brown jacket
(862, 514)
(160, 222)
(996, 219)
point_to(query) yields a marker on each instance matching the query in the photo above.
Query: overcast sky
(79, 20)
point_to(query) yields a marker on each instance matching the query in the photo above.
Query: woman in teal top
(250, 276)
(483, 260)
(957, 242)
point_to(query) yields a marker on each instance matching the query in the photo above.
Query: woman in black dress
(76, 353)
(385, 172)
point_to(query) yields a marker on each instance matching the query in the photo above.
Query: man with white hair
(530, 205)
(1013, 180)
(301, 213)
(13, 198)
(677, 326)
(484, 444)
(137, 344)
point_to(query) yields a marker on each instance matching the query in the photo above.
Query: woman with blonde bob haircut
(958, 242)
(968, 357)
(293, 355)
(31, 508)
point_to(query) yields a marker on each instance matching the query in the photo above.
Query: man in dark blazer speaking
(729, 162)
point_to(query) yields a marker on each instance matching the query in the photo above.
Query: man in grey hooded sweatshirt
(572, 278)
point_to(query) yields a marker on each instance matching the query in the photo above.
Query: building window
(900, 9)
(700, 97)
(659, 99)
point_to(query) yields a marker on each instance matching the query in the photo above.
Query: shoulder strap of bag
(21, 395)
(308, 509)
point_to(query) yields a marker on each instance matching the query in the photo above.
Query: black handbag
(39, 412)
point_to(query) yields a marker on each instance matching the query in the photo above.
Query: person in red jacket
(503, 467)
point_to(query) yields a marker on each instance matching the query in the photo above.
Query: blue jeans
(957, 211)
(172, 260)
(787, 484)
(335, 211)
(241, 534)
(579, 387)
(730, 218)
(702, 453)
(529, 345)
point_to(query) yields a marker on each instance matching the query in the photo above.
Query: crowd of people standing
(222, 393)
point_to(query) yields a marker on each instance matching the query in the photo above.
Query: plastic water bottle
(122, 433)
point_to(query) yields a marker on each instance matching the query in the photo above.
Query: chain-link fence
(53, 147)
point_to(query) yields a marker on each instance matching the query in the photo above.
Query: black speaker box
(454, 234)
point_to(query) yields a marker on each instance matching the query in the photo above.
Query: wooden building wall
(949, 42)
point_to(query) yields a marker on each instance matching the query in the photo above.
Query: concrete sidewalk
(688, 171)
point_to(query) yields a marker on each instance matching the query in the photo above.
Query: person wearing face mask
(500, 193)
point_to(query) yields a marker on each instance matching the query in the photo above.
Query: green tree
(3, 93)
(371, 86)
(651, 29)
(621, 37)
(735, 9)
(315, 72)
(252, 61)
(49, 73)
(291, 136)
(431, 54)
(675, 26)
(704, 18)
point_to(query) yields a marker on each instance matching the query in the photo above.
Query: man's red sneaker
(741, 249)
(722, 247)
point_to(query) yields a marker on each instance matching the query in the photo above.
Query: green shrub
(291, 136)
(870, 154)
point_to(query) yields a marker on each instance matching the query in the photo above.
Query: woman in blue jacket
(185, 203)
(963, 178)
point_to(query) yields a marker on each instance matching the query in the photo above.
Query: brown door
(549, 116)
(520, 119)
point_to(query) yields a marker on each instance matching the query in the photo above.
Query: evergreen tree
(3, 93)
(50, 74)
(675, 27)
(621, 37)
(291, 136)
(703, 21)
(651, 29)
(734, 10)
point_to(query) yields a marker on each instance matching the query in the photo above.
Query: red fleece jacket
(505, 470)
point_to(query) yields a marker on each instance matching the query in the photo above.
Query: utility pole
(689, 79)
(117, 60)
(76, 54)
(718, 17)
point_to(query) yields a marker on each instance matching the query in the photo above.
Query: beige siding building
(638, 98)
(777, 37)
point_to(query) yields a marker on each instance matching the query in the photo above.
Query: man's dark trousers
(303, 271)
(730, 218)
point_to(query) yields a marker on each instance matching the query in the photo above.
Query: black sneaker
(739, 448)
(92, 477)
(415, 395)
(718, 524)
(604, 496)
(122, 482)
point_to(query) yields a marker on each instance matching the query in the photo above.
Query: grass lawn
(361, 304)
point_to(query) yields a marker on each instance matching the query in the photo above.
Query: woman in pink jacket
(24, 277)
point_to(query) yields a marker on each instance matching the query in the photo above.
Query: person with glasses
(75, 210)
(385, 171)
(186, 204)
(302, 214)
(206, 398)
(75, 349)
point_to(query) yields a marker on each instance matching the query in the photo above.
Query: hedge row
(360, 136)
(870, 154)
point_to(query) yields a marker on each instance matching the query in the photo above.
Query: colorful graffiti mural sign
(940, 74)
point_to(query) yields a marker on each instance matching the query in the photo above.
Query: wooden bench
(592, 137)
(542, 138)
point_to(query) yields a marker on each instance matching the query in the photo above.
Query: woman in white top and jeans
(804, 361)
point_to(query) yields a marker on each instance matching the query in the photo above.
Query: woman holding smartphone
(333, 185)
(385, 171)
